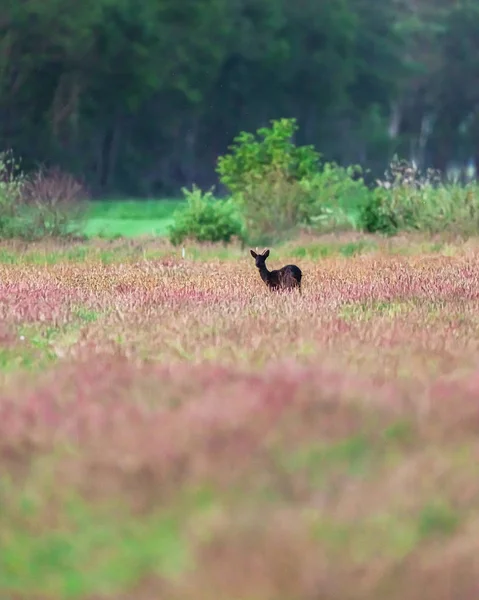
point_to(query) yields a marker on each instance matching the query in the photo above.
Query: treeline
(140, 98)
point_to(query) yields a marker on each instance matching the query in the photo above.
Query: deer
(286, 278)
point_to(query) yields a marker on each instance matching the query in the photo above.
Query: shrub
(47, 203)
(272, 208)
(55, 203)
(409, 200)
(335, 194)
(206, 219)
(453, 208)
(391, 204)
(264, 175)
(377, 214)
(251, 159)
(276, 206)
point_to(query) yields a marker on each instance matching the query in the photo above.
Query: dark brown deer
(286, 278)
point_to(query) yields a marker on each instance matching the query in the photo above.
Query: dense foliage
(278, 188)
(206, 219)
(141, 98)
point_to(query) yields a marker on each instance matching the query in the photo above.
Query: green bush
(276, 206)
(279, 186)
(46, 203)
(264, 175)
(408, 200)
(451, 208)
(377, 214)
(251, 159)
(273, 207)
(390, 206)
(206, 219)
(335, 194)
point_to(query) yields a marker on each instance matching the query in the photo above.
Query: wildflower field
(171, 429)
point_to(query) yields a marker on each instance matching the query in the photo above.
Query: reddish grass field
(171, 429)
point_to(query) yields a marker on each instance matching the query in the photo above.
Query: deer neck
(264, 273)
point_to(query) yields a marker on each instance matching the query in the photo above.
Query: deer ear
(253, 253)
(266, 253)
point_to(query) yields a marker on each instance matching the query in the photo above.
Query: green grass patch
(352, 456)
(134, 209)
(38, 345)
(400, 431)
(32, 351)
(355, 248)
(313, 251)
(92, 550)
(437, 517)
(130, 218)
(382, 536)
(392, 535)
(86, 315)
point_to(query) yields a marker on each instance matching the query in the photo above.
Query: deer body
(286, 278)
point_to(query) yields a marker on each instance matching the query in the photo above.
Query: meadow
(129, 218)
(170, 429)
